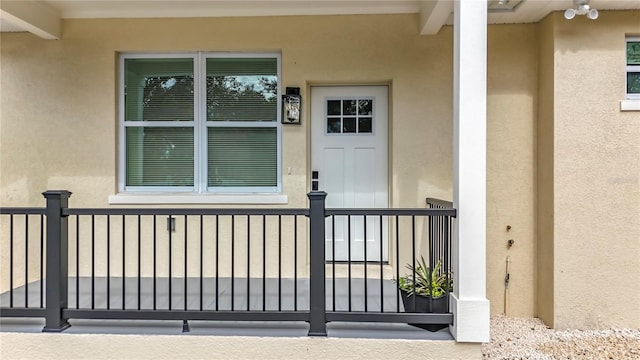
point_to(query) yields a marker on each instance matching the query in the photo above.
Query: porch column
(468, 300)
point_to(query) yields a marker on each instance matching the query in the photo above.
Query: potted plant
(424, 290)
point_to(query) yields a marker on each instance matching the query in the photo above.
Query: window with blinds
(200, 123)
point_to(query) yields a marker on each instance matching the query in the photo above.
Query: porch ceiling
(40, 17)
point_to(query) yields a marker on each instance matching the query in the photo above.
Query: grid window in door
(349, 116)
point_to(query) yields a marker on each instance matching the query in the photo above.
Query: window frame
(630, 68)
(199, 124)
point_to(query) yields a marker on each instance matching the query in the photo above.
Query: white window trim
(200, 192)
(630, 68)
(630, 105)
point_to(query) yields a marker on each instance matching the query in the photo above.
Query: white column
(468, 300)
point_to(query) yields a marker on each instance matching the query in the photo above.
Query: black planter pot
(425, 304)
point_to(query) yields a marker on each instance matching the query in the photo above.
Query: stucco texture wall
(544, 174)
(511, 114)
(58, 109)
(596, 176)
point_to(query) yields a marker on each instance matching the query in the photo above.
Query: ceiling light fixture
(498, 6)
(582, 8)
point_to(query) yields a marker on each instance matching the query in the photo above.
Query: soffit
(530, 11)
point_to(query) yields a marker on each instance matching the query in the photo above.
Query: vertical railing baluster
(317, 292)
(279, 263)
(26, 260)
(447, 255)
(93, 261)
(438, 238)
(366, 278)
(381, 269)
(139, 260)
(217, 263)
(155, 243)
(11, 260)
(233, 236)
(248, 261)
(333, 259)
(186, 251)
(124, 273)
(295, 263)
(77, 261)
(108, 262)
(170, 229)
(430, 262)
(349, 259)
(413, 260)
(42, 225)
(397, 260)
(264, 262)
(201, 260)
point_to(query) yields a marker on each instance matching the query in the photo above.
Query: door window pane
(365, 125)
(334, 107)
(349, 125)
(334, 126)
(349, 107)
(365, 107)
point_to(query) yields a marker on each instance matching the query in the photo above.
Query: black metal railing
(23, 250)
(215, 264)
(372, 296)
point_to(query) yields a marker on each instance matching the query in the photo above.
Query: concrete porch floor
(222, 328)
(113, 346)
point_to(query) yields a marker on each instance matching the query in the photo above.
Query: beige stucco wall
(544, 175)
(85, 59)
(596, 176)
(511, 114)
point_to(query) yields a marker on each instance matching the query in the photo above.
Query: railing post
(57, 260)
(317, 300)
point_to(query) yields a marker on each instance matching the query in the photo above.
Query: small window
(349, 116)
(633, 67)
(200, 122)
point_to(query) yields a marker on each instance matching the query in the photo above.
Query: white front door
(349, 160)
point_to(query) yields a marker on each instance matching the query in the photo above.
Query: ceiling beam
(433, 15)
(37, 17)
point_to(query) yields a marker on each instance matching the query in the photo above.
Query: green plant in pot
(426, 290)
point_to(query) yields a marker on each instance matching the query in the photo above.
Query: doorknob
(314, 181)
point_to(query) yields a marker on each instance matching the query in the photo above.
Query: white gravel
(528, 338)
